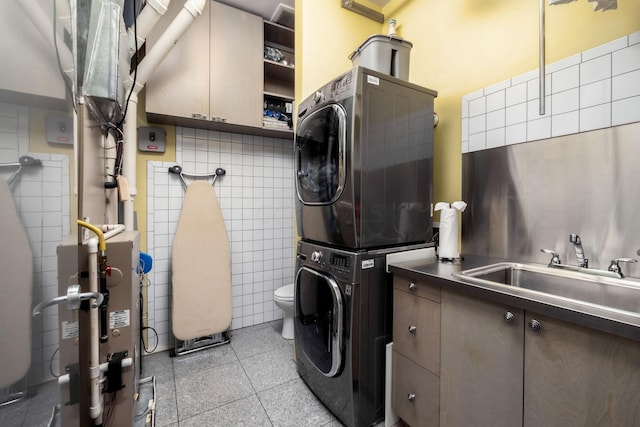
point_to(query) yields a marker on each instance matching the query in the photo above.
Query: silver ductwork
(106, 61)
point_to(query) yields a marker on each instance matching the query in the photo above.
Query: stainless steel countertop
(622, 323)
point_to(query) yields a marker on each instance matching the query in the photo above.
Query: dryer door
(320, 151)
(319, 320)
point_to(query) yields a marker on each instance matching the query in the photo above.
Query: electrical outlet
(152, 139)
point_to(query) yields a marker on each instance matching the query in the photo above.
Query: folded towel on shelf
(274, 123)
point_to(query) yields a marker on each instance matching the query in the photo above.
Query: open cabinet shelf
(279, 75)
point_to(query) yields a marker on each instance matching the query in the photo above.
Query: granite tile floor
(250, 382)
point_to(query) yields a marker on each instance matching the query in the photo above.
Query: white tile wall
(41, 196)
(256, 197)
(594, 89)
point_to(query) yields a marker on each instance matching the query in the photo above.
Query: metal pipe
(542, 60)
(22, 162)
(73, 299)
(104, 367)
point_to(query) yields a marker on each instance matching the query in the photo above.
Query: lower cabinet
(415, 392)
(416, 352)
(500, 366)
(482, 361)
(577, 376)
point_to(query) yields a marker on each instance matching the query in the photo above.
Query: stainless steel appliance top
(348, 84)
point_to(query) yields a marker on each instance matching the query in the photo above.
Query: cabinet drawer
(415, 393)
(417, 287)
(416, 329)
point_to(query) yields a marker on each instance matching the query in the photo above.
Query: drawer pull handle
(510, 318)
(412, 330)
(411, 397)
(412, 287)
(534, 325)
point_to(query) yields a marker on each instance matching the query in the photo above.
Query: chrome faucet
(577, 246)
(555, 258)
(615, 265)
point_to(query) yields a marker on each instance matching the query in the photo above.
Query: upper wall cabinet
(213, 77)
(30, 74)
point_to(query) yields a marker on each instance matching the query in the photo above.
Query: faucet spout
(577, 246)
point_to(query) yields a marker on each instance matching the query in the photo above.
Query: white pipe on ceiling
(146, 20)
(154, 56)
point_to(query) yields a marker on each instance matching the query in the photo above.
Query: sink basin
(577, 285)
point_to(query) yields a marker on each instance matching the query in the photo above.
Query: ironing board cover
(16, 283)
(201, 267)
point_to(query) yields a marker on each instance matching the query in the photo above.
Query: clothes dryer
(364, 162)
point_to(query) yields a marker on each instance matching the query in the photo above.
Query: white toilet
(283, 297)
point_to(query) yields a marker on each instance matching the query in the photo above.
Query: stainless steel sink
(577, 285)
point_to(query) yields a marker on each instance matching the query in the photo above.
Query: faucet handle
(615, 265)
(555, 258)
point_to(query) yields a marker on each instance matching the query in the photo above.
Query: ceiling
(380, 3)
(264, 8)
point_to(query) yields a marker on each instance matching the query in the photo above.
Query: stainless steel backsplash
(526, 197)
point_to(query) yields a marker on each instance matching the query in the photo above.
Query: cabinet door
(179, 86)
(416, 329)
(414, 392)
(236, 66)
(481, 365)
(32, 67)
(577, 376)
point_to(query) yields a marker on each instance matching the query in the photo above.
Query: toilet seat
(284, 293)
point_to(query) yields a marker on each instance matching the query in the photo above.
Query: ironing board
(16, 283)
(201, 267)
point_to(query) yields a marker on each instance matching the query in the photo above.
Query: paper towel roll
(448, 240)
(448, 246)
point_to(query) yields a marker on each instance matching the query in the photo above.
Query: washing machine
(364, 162)
(342, 324)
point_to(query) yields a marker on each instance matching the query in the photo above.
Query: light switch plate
(152, 139)
(59, 129)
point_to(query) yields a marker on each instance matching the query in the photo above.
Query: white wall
(594, 89)
(256, 198)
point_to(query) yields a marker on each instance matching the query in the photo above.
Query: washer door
(320, 155)
(319, 320)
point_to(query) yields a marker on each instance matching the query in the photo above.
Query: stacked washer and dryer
(364, 168)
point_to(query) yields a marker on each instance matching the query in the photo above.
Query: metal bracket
(178, 171)
(73, 299)
(363, 10)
